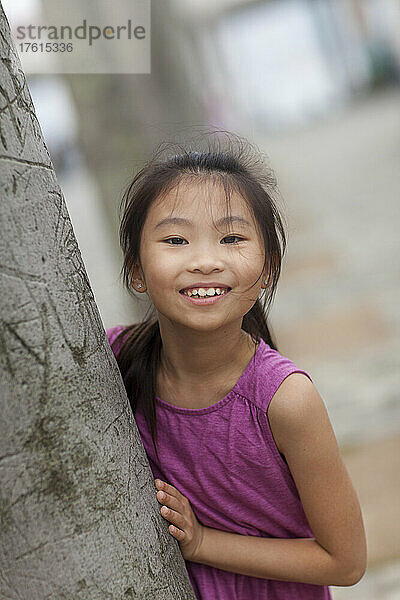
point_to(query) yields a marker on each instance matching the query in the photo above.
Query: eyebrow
(183, 221)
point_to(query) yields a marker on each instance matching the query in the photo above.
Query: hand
(185, 526)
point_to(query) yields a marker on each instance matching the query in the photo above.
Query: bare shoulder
(296, 403)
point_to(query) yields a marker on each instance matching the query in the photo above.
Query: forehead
(199, 201)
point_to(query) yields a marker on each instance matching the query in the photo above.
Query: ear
(137, 279)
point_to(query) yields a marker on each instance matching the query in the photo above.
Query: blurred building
(281, 64)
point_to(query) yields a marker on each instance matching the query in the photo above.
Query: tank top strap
(270, 370)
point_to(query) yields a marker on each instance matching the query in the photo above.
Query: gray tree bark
(78, 513)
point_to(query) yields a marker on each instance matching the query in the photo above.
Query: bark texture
(79, 517)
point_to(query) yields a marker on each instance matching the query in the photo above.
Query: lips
(196, 287)
(205, 300)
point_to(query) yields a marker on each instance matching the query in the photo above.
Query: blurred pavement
(336, 310)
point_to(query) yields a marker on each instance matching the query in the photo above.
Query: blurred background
(315, 84)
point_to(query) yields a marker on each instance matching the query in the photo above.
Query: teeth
(205, 292)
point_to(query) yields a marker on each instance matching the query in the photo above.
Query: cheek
(251, 263)
(161, 284)
(160, 266)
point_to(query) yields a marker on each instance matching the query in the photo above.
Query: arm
(337, 555)
(302, 559)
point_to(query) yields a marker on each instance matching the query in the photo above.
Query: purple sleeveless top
(224, 459)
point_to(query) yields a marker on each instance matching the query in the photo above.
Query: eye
(169, 240)
(174, 238)
(233, 236)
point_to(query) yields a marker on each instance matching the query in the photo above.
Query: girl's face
(177, 255)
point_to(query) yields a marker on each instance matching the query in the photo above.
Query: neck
(192, 360)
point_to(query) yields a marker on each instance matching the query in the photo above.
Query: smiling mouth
(205, 300)
(226, 290)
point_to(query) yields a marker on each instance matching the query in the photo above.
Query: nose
(206, 260)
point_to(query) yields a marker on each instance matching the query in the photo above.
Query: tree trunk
(78, 512)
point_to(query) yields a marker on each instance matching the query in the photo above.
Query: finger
(173, 517)
(169, 501)
(170, 489)
(177, 533)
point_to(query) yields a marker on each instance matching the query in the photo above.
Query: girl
(247, 468)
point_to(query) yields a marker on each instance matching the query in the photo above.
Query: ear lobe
(137, 280)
